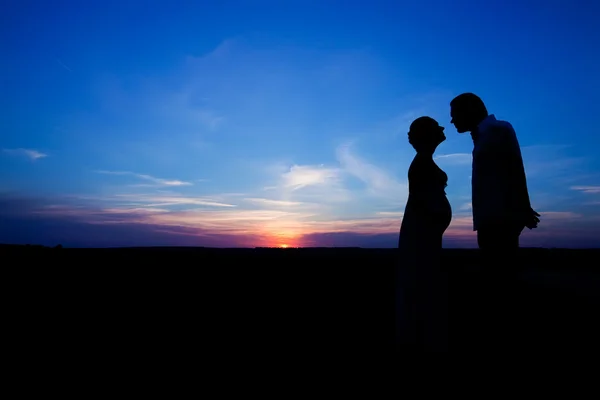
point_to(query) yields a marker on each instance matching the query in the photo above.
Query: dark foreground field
(201, 301)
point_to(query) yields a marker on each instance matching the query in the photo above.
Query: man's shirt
(499, 186)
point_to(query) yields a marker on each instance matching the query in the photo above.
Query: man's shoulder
(502, 131)
(500, 125)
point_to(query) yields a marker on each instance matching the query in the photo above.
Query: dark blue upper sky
(282, 122)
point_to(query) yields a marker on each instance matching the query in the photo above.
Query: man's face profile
(459, 120)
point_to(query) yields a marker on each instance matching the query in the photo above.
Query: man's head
(467, 111)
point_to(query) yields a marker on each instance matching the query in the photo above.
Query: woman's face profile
(426, 134)
(441, 134)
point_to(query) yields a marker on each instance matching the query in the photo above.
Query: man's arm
(518, 180)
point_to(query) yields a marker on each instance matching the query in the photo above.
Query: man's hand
(532, 220)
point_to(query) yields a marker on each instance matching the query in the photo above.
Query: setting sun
(283, 246)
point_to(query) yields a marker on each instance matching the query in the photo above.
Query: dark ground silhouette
(271, 300)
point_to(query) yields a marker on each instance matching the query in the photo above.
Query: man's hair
(470, 103)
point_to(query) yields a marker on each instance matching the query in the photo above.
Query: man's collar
(486, 121)
(476, 133)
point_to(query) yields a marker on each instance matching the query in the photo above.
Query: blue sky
(269, 123)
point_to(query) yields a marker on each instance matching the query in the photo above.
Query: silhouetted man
(500, 199)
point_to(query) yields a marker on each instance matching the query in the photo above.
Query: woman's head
(425, 134)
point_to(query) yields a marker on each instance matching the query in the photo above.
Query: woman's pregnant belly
(434, 212)
(443, 213)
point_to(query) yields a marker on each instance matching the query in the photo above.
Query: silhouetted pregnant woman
(422, 295)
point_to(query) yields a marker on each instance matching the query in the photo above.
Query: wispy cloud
(378, 181)
(466, 207)
(559, 215)
(63, 65)
(315, 184)
(454, 159)
(551, 161)
(592, 190)
(29, 153)
(390, 213)
(273, 203)
(300, 176)
(157, 200)
(331, 191)
(154, 180)
(586, 189)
